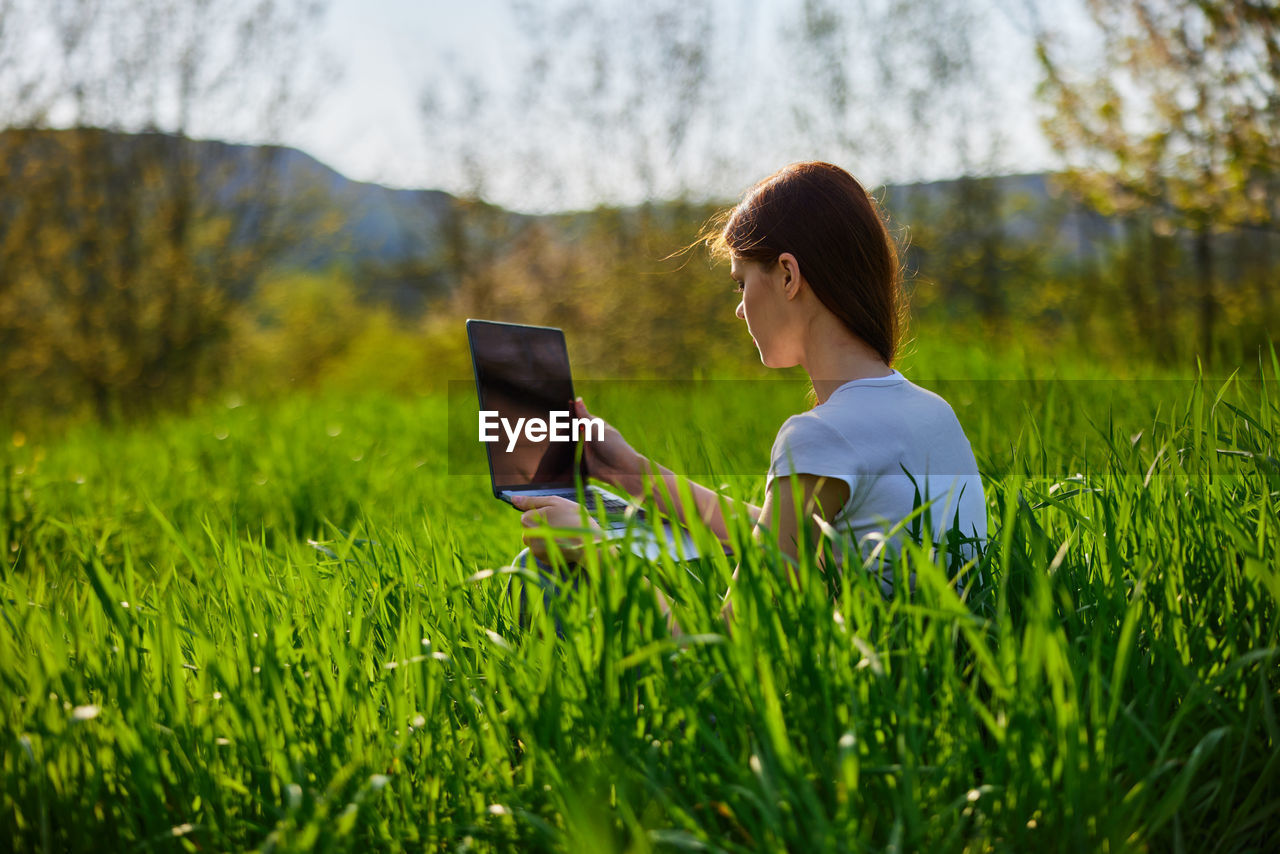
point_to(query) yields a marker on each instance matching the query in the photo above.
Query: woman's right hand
(612, 459)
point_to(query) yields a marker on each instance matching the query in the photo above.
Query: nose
(742, 310)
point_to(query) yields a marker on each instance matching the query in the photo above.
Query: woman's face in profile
(763, 307)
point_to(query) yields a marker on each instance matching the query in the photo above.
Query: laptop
(533, 440)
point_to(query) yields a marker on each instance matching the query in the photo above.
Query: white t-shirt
(897, 446)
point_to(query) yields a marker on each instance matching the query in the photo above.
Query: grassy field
(181, 669)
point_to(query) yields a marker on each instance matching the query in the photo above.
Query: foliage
(182, 670)
(119, 255)
(615, 280)
(1176, 124)
(112, 272)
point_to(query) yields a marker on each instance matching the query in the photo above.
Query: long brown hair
(821, 214)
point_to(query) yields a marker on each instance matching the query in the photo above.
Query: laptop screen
(523, 372)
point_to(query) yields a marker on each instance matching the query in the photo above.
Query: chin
(771, 360)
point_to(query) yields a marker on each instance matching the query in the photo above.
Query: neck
(837, 356)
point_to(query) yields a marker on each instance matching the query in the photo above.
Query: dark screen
(523, 372)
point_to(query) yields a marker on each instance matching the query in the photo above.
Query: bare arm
(614, 461)
(663, 486)
(820, 497)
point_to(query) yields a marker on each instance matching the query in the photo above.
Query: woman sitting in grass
(821, 288)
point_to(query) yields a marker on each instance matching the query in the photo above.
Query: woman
(821, 288)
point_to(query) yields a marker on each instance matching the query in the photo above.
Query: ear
(790, 274)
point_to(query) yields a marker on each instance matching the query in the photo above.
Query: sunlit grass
(181, 668)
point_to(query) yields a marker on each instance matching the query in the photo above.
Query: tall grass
(181, 668)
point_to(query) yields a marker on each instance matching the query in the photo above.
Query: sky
(368, 123)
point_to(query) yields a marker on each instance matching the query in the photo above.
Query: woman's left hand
(556, 512)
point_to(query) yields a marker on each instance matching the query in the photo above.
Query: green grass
(1107, 679)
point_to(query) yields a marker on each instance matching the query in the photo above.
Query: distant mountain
(402, 245)
(376, 225)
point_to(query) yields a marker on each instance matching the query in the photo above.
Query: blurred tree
(626, 87)
(118, 252)
(602, 276)
(651, 99)
(1176, 127)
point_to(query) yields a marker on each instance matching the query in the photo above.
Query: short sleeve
(807, 445)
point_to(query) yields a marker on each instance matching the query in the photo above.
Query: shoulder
(903, 393)
(808, 429)
(809, 444)
(902, 407)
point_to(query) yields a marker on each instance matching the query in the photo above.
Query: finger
(533, 502)
(530, 518)
(580, 409)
